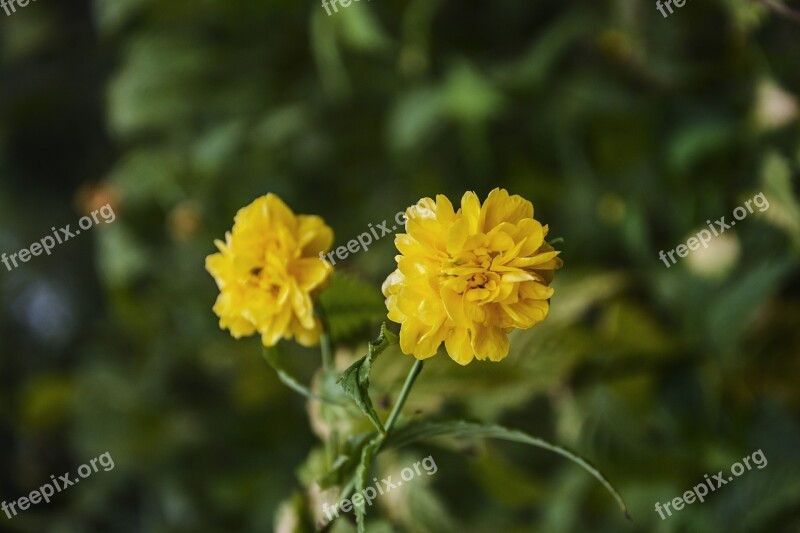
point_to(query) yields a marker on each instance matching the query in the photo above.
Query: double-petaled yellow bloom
(468, 277)
(267, 270)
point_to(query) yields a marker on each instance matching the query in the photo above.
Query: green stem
(325, 341)
(328, 369)
(327, 352)
(401, 400)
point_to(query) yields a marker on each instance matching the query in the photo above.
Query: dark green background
(626, 130)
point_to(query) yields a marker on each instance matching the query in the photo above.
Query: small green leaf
(273, 357)
(416, 431)
(350, 307)
(355, 380)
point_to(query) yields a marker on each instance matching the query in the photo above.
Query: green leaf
(469, 96)
(698, 140)
(783, 208)
(344, 466)
(417, 117)
(535, 65)
(328, 56)
(416, 431)
(736, 306)
(350, 306)
(273, 357)
(361, 30)
(362, 477)
(355, 380)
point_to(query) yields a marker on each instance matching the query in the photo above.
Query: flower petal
(454, 305)
(313, 235)
(471, 211)
(415, 339)
(458, 346)
(499, 207)
(489, 342)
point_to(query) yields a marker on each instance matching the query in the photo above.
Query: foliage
(627, 130)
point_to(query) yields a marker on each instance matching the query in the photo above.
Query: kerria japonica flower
(469, 277)
(268, 271)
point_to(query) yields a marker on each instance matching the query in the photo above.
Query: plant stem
(326, 349)
(325, 344)
(401, 400)
(327, 352)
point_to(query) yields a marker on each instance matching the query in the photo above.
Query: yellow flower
(467, 278)
(267, 269)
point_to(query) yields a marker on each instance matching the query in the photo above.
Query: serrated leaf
(350, 306)
(362, 474)
(417, 431)
(355, 380)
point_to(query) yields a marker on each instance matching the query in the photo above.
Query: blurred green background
(627, 130)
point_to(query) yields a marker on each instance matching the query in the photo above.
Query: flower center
(264, 282)
(477, 281)
(470, 272)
